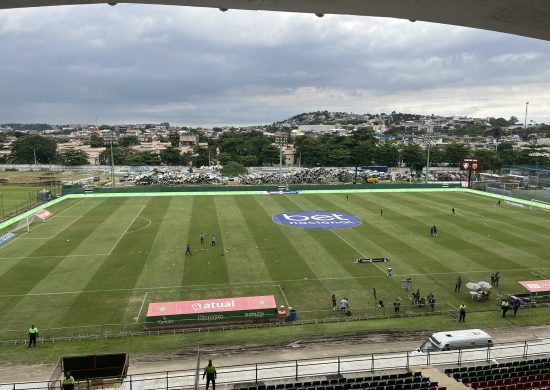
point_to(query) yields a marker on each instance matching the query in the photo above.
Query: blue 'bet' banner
(317, 219)
(6, 237)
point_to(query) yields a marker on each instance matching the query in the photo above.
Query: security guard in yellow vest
(68, 382)
(504, 305)
(33, 334)
(462, 317)
(210, 373)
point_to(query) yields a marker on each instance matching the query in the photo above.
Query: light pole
(525, 123)
(112, 166)
(428, 141)
(280, 165)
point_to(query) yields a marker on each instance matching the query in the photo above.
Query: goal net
(36, 218)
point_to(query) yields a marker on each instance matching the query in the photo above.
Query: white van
(457, 339)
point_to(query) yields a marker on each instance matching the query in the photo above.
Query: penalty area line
(141, 308)
(41, 224)
(284, 296)
(126, 231)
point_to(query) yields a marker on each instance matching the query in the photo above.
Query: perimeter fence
(95, 332)
(307, 369)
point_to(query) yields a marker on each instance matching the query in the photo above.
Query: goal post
(39, 217)
(25, 223)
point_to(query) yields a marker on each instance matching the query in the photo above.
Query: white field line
(144, 227)
(56, 215)
(141, 308)
(357, 250)
(206, 287)
(511, 227)
(284, 296)
(52, 256)
(125, 231)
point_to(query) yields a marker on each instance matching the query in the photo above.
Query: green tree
(200, 157)
(249, 160)
(73, 157)
(437, 156)
(233, 168)
(224, 158)
(174, 139)
(141, 159)
(96, 141)
(506, 153)
(25, 149)
(120, 155)
(128, 140)
(413, 156)
(171, 156)
(386, 153)
(453, 153)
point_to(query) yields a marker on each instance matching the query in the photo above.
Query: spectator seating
(404, 381)
(528, 374)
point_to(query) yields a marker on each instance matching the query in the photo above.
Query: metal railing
(13, 337)
(294, 370)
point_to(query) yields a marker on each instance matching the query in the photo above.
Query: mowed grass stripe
(522, 216)
(372, 240)
(164, 261)
(282, 259)
(323, 252)
(244, 258)
(48, 309)
(473, 248)
(496, 237)
(343, 245)
(206, 266)
(18, 248)
(25, 274)
(417, 251)
(120, 270)
(447, 238)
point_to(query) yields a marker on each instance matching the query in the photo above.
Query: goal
(39, 217)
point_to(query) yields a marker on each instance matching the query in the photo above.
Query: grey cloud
(198, 66)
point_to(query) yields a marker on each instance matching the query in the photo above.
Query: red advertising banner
(536, 285)
(211, 306)
(44, 214)
(470, 164)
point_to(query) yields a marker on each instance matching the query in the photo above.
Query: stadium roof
(528, 18)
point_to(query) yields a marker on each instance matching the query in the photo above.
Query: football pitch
(103, 260)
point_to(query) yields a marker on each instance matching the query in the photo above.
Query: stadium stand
(405, 381)
(528, 374)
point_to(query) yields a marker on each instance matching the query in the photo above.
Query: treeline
(253, 148)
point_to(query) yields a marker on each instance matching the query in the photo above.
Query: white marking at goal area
(142, 303)
(57, 215)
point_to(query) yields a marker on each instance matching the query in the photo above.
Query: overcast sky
(193, 66)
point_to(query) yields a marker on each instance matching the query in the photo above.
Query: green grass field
(13, 197)
(102, 260)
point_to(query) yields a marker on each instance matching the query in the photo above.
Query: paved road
(323, 350)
